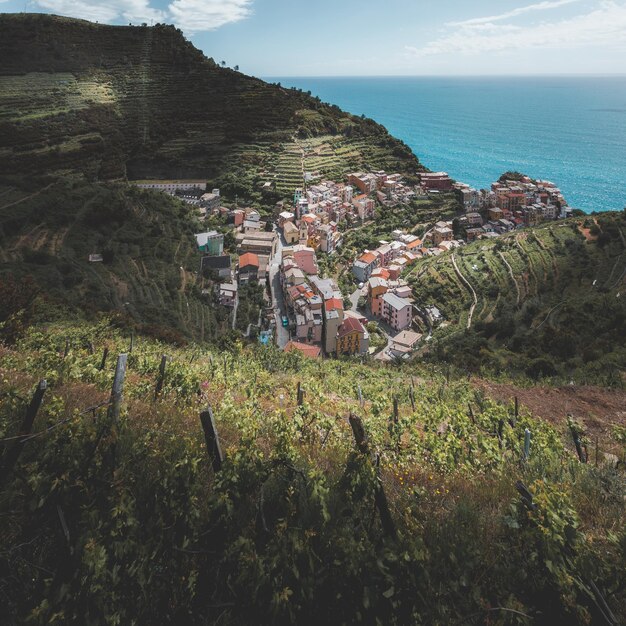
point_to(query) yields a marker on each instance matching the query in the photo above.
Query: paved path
(234, 324)
(354, 297)
(512, 276)
(467, 284)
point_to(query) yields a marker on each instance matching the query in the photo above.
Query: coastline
(475, 128)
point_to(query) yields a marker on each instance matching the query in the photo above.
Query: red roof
(350, 325)
(307, 350)
(381, 272)
(368, 258)
(333, 304)
(247, 259)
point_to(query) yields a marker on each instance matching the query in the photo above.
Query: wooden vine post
(214, 448)
(471, 412)
(161, 377)
(117, 390)
(299, 394)
(103, 363)
(380, 497)
(526, 444)
(581, 450)
(26, 426)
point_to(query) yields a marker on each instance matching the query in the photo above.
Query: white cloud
(190, 15)
(203, 15)
(539, 6)
(603, 26)
(106, 11)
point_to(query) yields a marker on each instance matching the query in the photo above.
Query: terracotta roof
(248, 259)
(309, 218)
(350, 325)
(307, 350)
(333, 304)
(368, 257)
(381, 272)
(414, 244)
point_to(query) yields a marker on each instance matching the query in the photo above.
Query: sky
(271, 38)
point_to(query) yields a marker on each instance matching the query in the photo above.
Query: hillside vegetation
(107, 102)
(129, 520)
(546, 301)
(149, 276)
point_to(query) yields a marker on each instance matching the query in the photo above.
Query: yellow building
(350, 336)
(291, 233)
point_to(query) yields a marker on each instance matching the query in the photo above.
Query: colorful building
(396, 311)
(211, 243)
(351, 337)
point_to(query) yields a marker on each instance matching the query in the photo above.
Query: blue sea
(570, 130)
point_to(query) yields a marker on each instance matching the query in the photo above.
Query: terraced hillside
(110, 102)
(149, 274)
(547, 300)
(115, 513)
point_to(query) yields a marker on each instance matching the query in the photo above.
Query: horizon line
(521, 75)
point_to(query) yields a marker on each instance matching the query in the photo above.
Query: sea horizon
(555, 127)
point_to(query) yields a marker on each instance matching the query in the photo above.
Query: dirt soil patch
(598, 408)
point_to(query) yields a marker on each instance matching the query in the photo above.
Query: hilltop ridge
(110, 102)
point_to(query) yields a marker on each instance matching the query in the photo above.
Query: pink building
(304, 258)
(396, 311)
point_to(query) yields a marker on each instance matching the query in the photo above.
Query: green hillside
(109, 102)
(124, 521)
(149, 275)
(543, 301)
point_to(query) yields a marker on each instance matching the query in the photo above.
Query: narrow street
(281, 333)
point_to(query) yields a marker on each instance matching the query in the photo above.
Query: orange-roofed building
(313, 352)
(363, 267)
(414, 245)
(333, 318)
(249, 258)
(333, 304)
(248, 267)
(381, 272)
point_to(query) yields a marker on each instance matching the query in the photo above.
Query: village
(305, 311)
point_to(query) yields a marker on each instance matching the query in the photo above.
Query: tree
(236, 68)
(223, 63)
